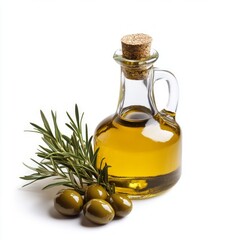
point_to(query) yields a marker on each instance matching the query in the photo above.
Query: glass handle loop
(173, 89)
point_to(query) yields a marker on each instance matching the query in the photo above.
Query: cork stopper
(136, 46)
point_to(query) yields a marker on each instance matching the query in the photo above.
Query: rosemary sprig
(69, 161)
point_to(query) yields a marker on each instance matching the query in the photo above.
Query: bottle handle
(173, 89)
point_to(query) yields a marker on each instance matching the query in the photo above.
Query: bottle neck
(136, 98)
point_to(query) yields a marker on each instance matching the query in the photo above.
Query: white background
(56, 53)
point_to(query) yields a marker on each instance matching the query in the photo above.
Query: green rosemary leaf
(89, 147)
(31, 177)
(77, 115)
(75, 144)
(105, 170)
(94, 158)
(67, 139)
(86, 133)
(100, 177)
(32, 168)
(69, 183)
(58, 134)
(45, 149)
(50, 144)
(67, 124)
(40, 164)
(46, 124)
(36, 179)
(72, 123)
(81, 120)
(39, 129)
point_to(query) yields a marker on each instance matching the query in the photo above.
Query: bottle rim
(118, 57)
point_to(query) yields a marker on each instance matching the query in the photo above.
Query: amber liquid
(144, 151)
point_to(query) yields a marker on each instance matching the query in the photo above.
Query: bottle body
(141, 145)
(143, 150)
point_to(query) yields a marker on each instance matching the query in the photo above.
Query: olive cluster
(98, 206)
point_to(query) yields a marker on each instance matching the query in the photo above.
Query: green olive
(95, 191)
(121, 204)
(68, 202)
(98, 211)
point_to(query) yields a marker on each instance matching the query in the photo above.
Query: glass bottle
(141, 144)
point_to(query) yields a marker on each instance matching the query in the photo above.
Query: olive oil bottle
(141, 144)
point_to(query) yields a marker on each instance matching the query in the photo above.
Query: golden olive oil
(144, 151)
